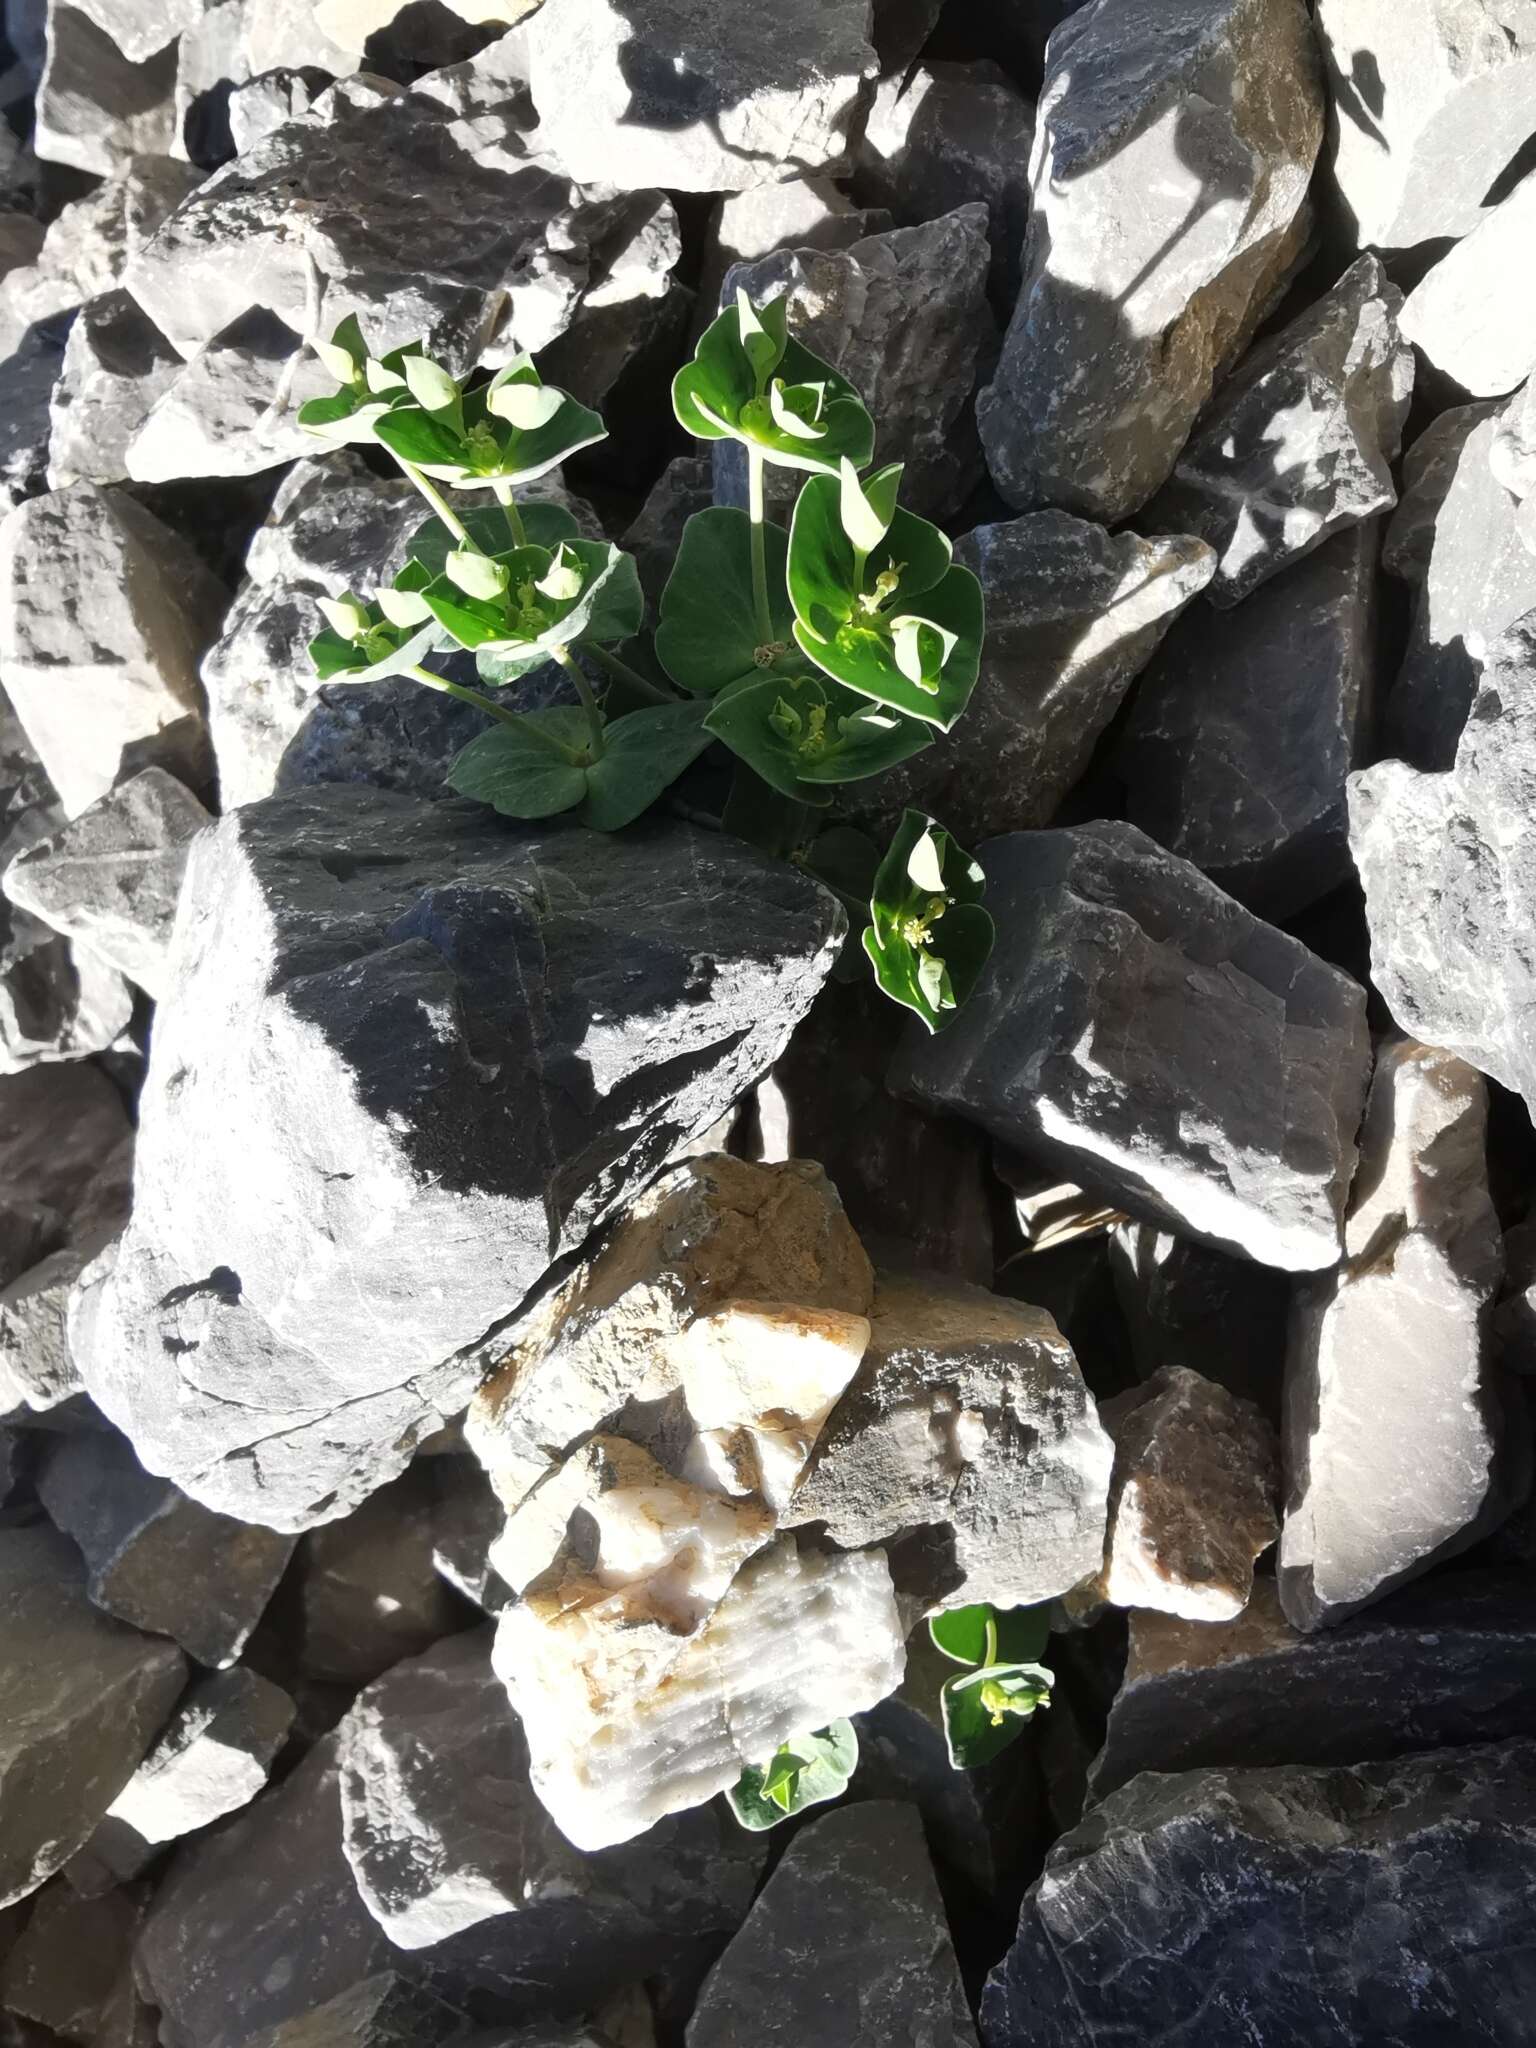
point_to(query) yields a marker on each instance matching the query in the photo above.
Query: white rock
(1474, 313)
(96, 110)
(140, 27)
(116, 364)
(233, 409)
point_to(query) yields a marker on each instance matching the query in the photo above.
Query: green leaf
(928, 937)
(807, 418)
(544, 525)
(806, 1772)
(1021, 1632)
(869, 740)
(644, 753)
(430, 384)
(615, 603)
(708, 632)
(527, 770)
(984, 1713)
(429, 444)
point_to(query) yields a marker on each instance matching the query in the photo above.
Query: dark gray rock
(1174, 144)
(27, 380)
(1243, 731)
(847, 1947)
(795, 213)
(1428, 471)
(72, 1951)
(1305, 1907)
(59, 1125)
(1187, 1304)
(116, 364)
(1139, 1031)
(383, 2011)
(1300, 441)
(155, 1558)
(394, 735)
(467, 1517)
(81, 1698)
(655, 534)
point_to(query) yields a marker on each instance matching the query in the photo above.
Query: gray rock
(213, 1757)
(1399, 1330)
(390, 735)
(1431, 104)
(233, 409)
(259, 106)
(1384, 1902)
(467, 1518)
(796, 213)
(156, 1558)
(60, 1126)
(1300, 441)
(82, 1698)
(110, 879)
(140, 27)
(1073, 615)
(1172, 153)
(904, 316)
(705, 101)
(848, 1947)
(1187, 1305)
(320, 935)
(65, 1967)
(383, 2011)
(901, 27)
(1429, 470)
(1139, 1031)
(1471, 314)
(1239, 743)
(27, 379)
(97, 110)
(37, 1367)
(939, 135)
(655, 534)
(1445, 860)
(969, 1418)
(1449, 1661)
(116, 364)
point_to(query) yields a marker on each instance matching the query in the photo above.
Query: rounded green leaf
(861, 652)
(802, 416)
(807, 1771)
(644, 753)
(428, 444)
(708, 633)
(928, 938)
(525, 771)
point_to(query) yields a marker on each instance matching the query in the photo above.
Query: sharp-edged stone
(116, 364)
(1473, 313)
(1188, 1305)
(71, 1954)
(1429, 470)
(96, 109)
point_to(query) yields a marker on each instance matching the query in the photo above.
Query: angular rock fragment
(1187, 1305)
(116, 364)
(104, 614)
(1399, 1330)
(1429, 470)
(467, 1518)
(1300, 441)
(705, 100)
(65, 1967)
(1432, 104)
(1391, 1896)
(390, 735)
(140, 27)
(97, 110)
(1073, 614)
(1472, 314)
(156, 1558)
(110, 879)
(655, 534)
(233, 409)
(212, 1757)
(382, 2011)
(1239, 744)
(1138, 1030)
(969, 1418)
(81, 1698)
(261, 105)
(1174, 143)
(27, 379)
(848, 1947)
(796, 213)
(60, 1127)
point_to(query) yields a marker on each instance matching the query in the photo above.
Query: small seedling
(986, 1706)
(805, 1772)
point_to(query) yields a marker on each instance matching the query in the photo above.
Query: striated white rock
(1474, 313)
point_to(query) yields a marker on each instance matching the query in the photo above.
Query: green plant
(985, 1706)
(800, 1773)
(819, 657)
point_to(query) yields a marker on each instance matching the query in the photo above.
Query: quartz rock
(156, 1558)
(116, 364)
(1472, 314)
(1243, 732)
(1138, 1030)
(110, 879)
(212, 1757)
(1299, 442)
(1429, 470)
(97, 110)
(104, 614)
(1073, 614)
(848, 1946)
(72, 1951)
(1173, 147)
(705, 100)
(233, 409)
(1392, 1899)
(82, 1697)
(1444, 859)
(1432, 104)
(1448, 1661)
(1398, 1330)
(969, 1417)
(631, 1713)
(1186, 1305)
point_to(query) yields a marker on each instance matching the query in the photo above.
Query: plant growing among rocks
(986, 1705)
(819, 656)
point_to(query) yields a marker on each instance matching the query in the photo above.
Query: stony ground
(496, 1334)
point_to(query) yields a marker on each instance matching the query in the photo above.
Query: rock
(1188, 1306)
(369, 1591)
(1138, 1030)
(796, 213)
(259, 106)
(382, 2011)
(82, 1698)
(390, 735)
(156, 1558)
(60, 1127)
(1168, 211)
(109, 880)
(467, 1518)
(104, 613)
(1481, 581)
(1471, 314)
(95, 109)
(141, 27)
(848, 1946)
(968, 1418)
(213, 1757)
(1398, 1330)
(901, 27)
(1192, 1503)
(1512, 451)
(705, 101)
(233, 409)
(1448, 1661)
(37, 1367)
(708, 1243)
(1237, 751)
(633, 1710)
(1444, 860)
(941, 134)
(1073, 614)
(655, 534)
(65, 1967)
(905, 319)
(1431, 105)
(1299, 442)
(1429, 469)
(116, 365)
(1391, 1899)
(27, 379)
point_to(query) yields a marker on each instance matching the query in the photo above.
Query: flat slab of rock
(81, 1699)
(1399, 1330)
(1167, 212)
(848, 1946)
(1428, 471)
(1141, 1032)
(483, 1040)
(96, 109)
(1472, 313)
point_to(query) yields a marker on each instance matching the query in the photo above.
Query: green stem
(589, 703)
(508, 503)
(758, 518)
(623, 673)
(440, 506)
(991, 1656)
(495, 710)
